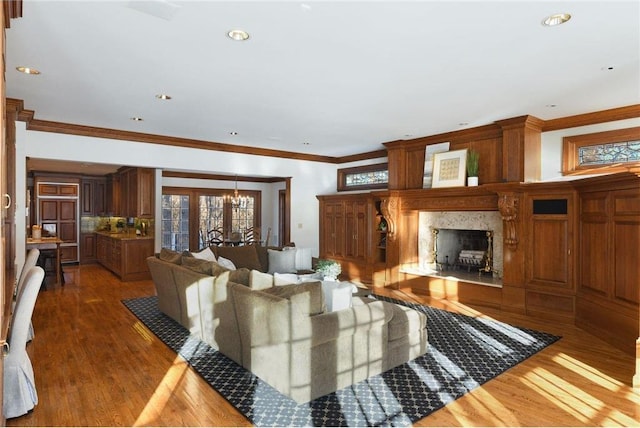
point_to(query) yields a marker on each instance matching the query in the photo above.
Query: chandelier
(236, 200)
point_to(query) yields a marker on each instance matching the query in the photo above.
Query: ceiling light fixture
(27, 70)
(556, 19)
(238, 35)
(236, 200)
(163, 97)
(233, 133)
(137, 119)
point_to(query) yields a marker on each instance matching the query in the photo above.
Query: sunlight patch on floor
(152, 411)
(584, 407)
(588, 372)
(140, 328)
(480, 407)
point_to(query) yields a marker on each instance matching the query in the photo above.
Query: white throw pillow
(205, 254)
(226, 263)
(282, 261)
(260, 280)
(303, 259)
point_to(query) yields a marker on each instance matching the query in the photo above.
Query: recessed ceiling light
(137, 119)
(233, 133)
(551, 105)
(238, 35)
(163, 97)
(27, 70)
(557, 19)
(306, 143)
(607, 68)
(463, 123)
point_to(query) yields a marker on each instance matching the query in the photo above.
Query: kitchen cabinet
(124, 254)
(57, 212)
(136, 192)
(88, 248)
(112, 198)
(93, 196)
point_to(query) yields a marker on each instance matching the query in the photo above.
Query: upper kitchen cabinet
(137, 191)
(93, 193)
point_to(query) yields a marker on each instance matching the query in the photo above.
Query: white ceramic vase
(472, 181)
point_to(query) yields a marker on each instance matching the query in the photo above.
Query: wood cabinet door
(333, 229)
(86, 197)
(145, 192)
(99, 197)
(48, 210)
(356, 233)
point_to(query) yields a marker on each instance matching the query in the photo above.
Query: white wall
(551, 157)
(308, 179)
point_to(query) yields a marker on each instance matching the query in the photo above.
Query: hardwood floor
(96, 365)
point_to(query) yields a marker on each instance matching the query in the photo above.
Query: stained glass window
(601, 154)
(364, 177)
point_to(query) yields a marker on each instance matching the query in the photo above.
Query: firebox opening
(468, 251)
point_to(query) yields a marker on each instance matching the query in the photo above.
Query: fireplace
(461, 243)
(463, 250)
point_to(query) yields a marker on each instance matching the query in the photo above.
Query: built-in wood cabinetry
(57, 212)
(609, 273)
(137, 191)
(349, 235)
(88, 248)
(124, 255)
(549, 219)
(93, 193)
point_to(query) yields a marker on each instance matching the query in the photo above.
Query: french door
(188, 215)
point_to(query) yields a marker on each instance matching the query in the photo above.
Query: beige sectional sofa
(284, 334)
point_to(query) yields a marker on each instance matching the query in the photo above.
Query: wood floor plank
(95, 364)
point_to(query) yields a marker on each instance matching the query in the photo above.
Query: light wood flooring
(95, 364)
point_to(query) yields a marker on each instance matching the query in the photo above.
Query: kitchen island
(125, 254)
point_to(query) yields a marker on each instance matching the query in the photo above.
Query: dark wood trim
(203, 176)
(12, 9)
(611, 115)
(115, 134)
(343, 172)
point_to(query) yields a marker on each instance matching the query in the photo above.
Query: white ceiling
(326, 78)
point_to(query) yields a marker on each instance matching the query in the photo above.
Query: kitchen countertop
(123, 236)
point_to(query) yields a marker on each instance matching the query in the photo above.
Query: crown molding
(204, 176)
(33, 124)
(611, 115)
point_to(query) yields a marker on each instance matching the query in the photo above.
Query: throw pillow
(170, 256)
(197, 265)
(217, 269)
(226, 263)
(205, 254)
(303, 259)
(260, 280)
(282, 261)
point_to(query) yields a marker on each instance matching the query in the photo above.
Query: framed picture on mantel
(449, 168)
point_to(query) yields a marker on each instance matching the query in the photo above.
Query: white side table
(337, 295)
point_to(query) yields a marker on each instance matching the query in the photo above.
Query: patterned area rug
(463, 354)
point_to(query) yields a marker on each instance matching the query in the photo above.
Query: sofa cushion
(240, 276)
(307, 297)
(170, 256)
(282, 261)
(260, 280)
(242, 256)
(197, 265)
(405, 321)
(226, 263)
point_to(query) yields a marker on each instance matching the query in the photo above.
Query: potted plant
(473, 158)
(329, 269)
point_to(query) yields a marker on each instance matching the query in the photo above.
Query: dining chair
(252, 236)
(19, 389)
(30, 261)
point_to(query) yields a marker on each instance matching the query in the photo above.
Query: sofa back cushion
(242, 256)
(306, 298)
(170, 256)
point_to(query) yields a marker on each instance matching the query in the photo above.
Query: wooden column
(397, 158)
(513, 292)
(521, 140)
